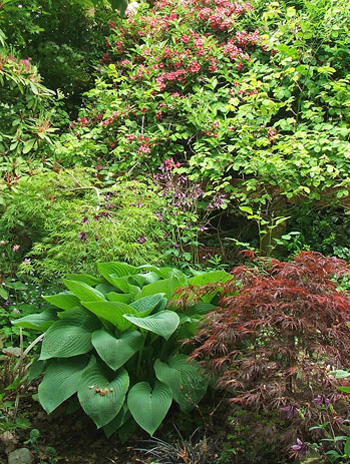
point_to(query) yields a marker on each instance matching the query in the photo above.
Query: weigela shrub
(273, 342)
(212, 84)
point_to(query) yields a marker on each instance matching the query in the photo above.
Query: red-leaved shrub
(278, 332)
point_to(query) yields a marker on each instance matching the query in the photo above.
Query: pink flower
(16, 248)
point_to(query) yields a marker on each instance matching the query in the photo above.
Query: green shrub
(249, 98)
(113, 341)
(58, 223)
(25, 132)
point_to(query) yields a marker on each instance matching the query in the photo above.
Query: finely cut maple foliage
(279, 331)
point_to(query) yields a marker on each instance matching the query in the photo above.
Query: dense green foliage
(122, 321)
(178, 133)
(58, 223)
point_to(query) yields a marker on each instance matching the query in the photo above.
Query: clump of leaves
(273, 341)
(58, 223)
(113, 342)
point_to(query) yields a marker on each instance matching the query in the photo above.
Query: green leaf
(113, 270)
(60, 381)
(85, 278)
(41, 321)
(70, 336)
(115, 352)
(102, 394)
(36, 369)
(347, 447)
(144, 306)
(112, 311)
(83, 291)
(121, 297)
(148, 407)
(28, 145)
(64, 300)
(344, 389)
(184, 378)
(120, 419)
(209, 277)
(3, 293)
(163, 324)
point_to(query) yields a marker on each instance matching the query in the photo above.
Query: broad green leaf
(36, 369)
(344, 389)
(116, 270)
(144, 306)
(83, 291)
(70, 336)
(163, 324)
(112, 311)
(41, 321)
(86, 279)
(123, 285)
(121, 297)
(149, 407)
(347, 447)
(63, 300)
(119, 420)
(209, 277)
(184, 378)
(3, 293)
(166, 286)
(115, 352)
(60, 381)
(102, 393)
(105, 288)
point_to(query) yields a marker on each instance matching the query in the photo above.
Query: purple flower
(322, 400)
(159, 215)
(82, 236)
(84, 220)
(291, 411)
(300, 448)
(142, 239)
(110, 206)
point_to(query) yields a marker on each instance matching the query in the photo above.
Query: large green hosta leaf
(83, 291)
(112, 311)
(115, 352)
(167, 286)
(148, 407)
(163, 324)
(102, 393)
(114, 270)
(60, 381)
(86, 278)
(209, 277)
(70, 336)
(119, 420)
(40, 322)
(144, 306)
(63, 300)
(184, 378)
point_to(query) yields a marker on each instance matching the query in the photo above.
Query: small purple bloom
(142, 239)
(82, 236)
(159, 215)
(84, 220)
(322, 400)
(110, 206)
(300, 448)
(291, 411)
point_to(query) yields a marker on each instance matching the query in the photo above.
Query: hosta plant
(113, 343)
